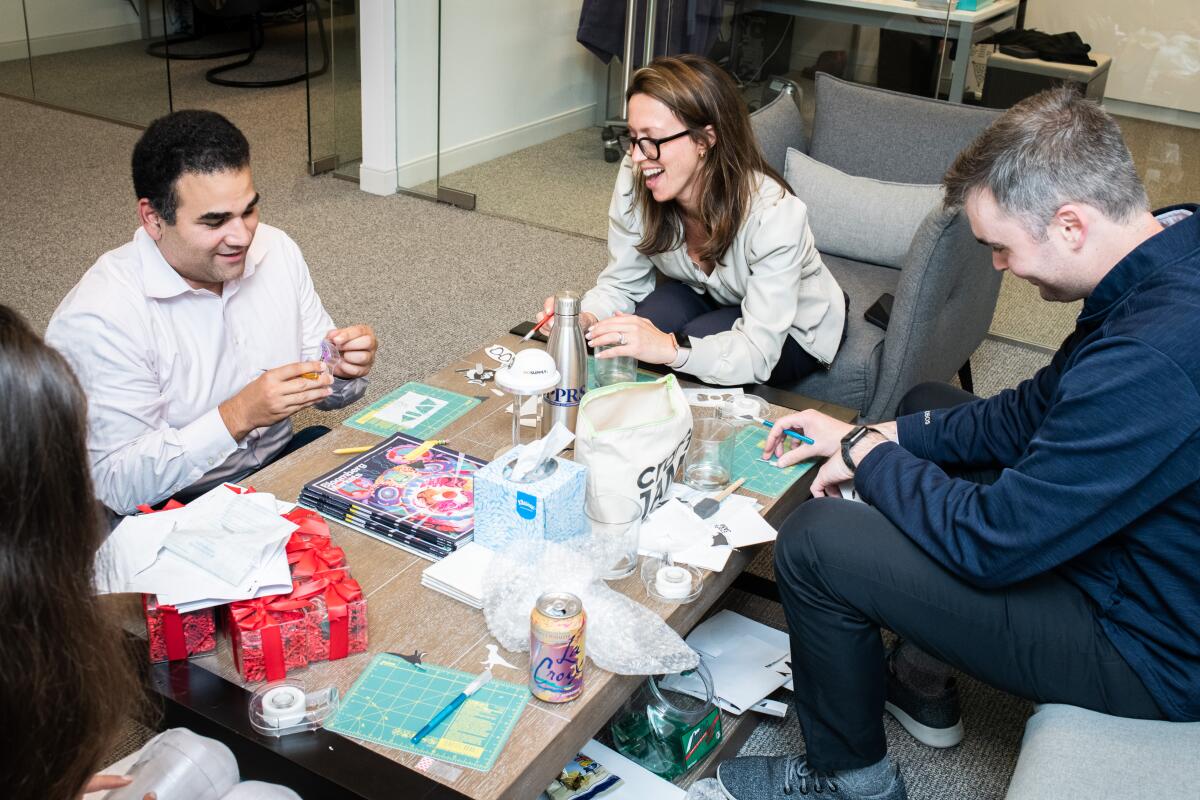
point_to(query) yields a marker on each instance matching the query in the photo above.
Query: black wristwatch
(852, 438)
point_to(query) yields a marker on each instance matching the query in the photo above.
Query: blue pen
(789, 432)
(453, 705)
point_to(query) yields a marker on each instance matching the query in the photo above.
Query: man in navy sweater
(1045, 540)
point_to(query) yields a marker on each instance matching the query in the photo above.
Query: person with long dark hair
(65, 678)
(747, 298)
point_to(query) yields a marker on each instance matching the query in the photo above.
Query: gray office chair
(945, 293)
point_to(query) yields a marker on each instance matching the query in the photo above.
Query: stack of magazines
(410, 495)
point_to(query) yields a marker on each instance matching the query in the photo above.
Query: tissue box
(550, 503)
(174, 636)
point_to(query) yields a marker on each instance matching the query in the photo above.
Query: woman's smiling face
(673, 175)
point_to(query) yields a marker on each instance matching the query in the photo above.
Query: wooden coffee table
(207, 695)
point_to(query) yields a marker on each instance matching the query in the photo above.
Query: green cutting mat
(392, 700)
(762, 476)
(415, 409)
(642, 375)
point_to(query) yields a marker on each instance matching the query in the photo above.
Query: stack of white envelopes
(221, 547)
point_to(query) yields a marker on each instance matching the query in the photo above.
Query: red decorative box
(337, 619)
(310, 549)
(174, 636)
(269, 636)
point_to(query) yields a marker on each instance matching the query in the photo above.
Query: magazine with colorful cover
(401, 484)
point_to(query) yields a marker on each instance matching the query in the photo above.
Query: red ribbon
(342, 591)
(264, 614)
(310, 522)
(307, 560)
(170, 505)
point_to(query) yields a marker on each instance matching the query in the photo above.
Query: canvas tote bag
(633, 438)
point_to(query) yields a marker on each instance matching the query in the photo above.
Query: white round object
(283, 706)
(744, 409)
(673, 582)
(532, 372)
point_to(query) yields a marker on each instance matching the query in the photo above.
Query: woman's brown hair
(700, 94)
(65, 676)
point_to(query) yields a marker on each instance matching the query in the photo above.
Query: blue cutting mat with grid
(455, 405)
(762, 476)
(393, 699)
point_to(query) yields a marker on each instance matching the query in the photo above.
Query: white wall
(1154, 44)
(512, 75)
(57, 26)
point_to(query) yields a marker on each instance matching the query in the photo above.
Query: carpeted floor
(433, 280)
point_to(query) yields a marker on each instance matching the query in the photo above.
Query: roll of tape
(283, 706)
(673, 582)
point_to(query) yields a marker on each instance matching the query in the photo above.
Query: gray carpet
(433, 280)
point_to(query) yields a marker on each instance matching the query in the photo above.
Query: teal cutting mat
(762, 476)
(392, 700)
(642, 375)
(415, 409)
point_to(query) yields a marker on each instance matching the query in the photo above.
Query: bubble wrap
(622, 635)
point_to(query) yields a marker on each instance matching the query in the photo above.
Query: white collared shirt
(157, 357)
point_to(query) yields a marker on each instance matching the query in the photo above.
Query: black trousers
(674, 308)
(299, 439)
(844, 571)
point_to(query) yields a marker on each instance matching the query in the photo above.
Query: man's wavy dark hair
(202, 142)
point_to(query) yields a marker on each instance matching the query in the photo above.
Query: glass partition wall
(531, 95)
(86, 56)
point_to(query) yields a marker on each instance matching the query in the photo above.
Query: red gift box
(337, 619)
(269, 636)
(310, 549)
(174, 636)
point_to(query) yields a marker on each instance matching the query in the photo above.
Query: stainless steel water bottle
(570, 356)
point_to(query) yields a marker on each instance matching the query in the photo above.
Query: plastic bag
(622, 635)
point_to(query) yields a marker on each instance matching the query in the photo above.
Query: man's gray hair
(1048, 150)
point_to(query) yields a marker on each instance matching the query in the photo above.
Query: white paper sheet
(181, 555)
(706, 543)
(410, 409)
(460, 575)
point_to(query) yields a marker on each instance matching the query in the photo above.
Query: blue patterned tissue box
(551, 502)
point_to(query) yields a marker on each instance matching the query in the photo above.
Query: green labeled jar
(669, 730)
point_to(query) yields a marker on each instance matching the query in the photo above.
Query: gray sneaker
(773, 777)
(923, 697)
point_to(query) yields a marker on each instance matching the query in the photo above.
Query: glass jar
(670, 723)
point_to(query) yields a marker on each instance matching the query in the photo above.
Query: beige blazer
(772, 270)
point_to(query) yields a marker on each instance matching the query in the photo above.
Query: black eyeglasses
(649, 147)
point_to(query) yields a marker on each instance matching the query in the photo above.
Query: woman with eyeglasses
(746, 298)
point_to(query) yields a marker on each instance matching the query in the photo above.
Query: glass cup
(709, 461)
(616, 522)
(622, 369)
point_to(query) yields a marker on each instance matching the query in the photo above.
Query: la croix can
(556, 635)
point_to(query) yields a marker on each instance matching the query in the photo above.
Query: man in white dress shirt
(198, 340)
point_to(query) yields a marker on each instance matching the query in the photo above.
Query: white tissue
(541, 450)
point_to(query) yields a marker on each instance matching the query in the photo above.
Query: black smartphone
(880, 311)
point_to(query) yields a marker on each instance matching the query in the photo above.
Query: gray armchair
(946, 289)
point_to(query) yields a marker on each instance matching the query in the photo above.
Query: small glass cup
(616, 523)
(621, 369)
(709, 461)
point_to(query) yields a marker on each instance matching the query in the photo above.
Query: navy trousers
(844, 571)
(674, 308)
